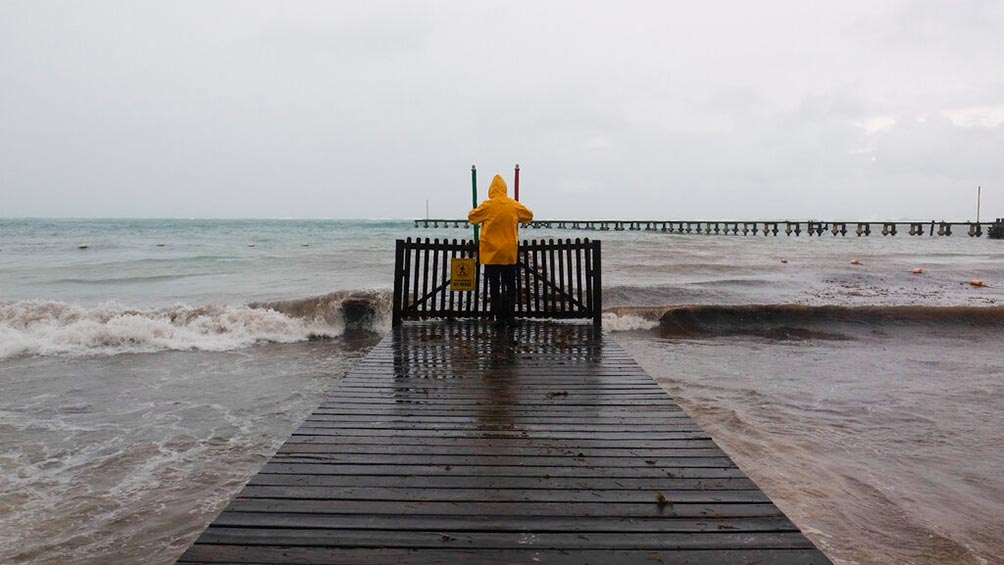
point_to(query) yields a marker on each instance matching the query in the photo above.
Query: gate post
(398, 283)
(597, 286)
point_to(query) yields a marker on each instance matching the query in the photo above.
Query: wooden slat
(582, 509)
(470, 443)
(403, 538)
(549, 446)
(526, 280)
(204, 553)
(500, 483)
(498, 495)
(503, 523)
(588, 275)
(315, 467)
(437, 280)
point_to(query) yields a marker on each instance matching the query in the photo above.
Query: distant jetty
(774, 228)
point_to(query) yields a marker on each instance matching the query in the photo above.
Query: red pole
(517, 182)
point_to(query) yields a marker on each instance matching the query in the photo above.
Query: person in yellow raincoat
(500, 217)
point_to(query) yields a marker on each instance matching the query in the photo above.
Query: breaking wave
(793, 321)
(629, 319)
(39, 327)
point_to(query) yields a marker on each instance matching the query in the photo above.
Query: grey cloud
(256, 108)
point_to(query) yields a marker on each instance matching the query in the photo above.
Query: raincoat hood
(499, 217)
(498, 188)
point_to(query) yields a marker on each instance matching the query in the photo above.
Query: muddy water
(885, 446)
(126, 459)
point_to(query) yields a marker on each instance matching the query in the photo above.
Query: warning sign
(462, 272)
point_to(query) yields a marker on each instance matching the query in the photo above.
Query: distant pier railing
(556, 279)
(760, 227)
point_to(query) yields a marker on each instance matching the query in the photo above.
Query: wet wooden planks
(453, 443)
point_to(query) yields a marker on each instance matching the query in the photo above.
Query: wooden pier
(452, 443)
(773, 228)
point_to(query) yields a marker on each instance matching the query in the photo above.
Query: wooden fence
(555, 279)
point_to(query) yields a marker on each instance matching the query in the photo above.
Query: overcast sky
(612, 109)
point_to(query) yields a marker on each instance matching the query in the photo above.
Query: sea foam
(39, 327)
(616, 321)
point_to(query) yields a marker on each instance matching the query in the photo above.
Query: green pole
(474, 196)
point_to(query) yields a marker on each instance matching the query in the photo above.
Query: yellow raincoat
(499, 216)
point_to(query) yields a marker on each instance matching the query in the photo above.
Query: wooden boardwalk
(452, 443)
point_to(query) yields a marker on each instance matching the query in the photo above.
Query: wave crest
(795, 321)
(40, 327)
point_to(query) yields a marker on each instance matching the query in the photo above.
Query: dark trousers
(502, 290)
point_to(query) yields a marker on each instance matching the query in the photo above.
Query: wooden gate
(555, 279)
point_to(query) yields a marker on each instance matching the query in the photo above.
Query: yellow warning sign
(462, 272)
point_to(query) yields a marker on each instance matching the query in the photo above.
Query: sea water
(149, 367)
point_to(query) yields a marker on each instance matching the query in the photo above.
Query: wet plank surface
(454, 443)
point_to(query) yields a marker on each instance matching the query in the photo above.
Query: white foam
(615, 322)
(37, 327)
